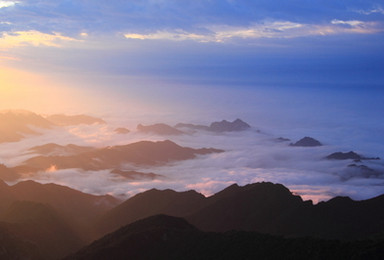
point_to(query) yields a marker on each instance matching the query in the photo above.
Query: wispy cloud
(375, 10)
(33, 38)
(274, 29)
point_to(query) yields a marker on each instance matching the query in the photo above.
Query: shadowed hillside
(261, 207)
(42, 225)
(165, 237)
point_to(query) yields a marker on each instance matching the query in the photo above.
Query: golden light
(33, 38)
(31, 91)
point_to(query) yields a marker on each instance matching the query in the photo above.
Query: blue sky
(211, 42)
(162, 51)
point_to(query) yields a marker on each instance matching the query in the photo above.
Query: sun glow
(31, 91)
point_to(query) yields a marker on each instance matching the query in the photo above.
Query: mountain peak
(226, 126)
(307, 142)
(161, 221)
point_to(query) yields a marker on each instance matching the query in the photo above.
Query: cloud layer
(250, 156)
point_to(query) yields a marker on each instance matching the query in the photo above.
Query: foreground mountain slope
(261, 207)
(78, 209)
(150, 203)
(13, 247)
(165, 237)
(257, 207)
(44, 226)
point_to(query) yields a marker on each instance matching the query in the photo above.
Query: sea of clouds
(340, 123)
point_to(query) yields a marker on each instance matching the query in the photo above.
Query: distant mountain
(122, 130)
(16, 124)
(307, 142)
(261, 207)
(166, 237)
(66, 120)
(140, 153)
(8, 174)
(219, 127)
(53, 149)
(134, 175)
(349, 155)
(359, 171)
(41, 224)
(282, 139)
(160, 129)
(225, 126)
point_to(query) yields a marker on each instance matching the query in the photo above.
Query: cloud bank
(250, 156)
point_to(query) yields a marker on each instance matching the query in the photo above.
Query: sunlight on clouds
(4, 4)
(177, 35)
(350, 23)
(34, 38)
(275, 29)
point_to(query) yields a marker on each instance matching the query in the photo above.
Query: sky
(293, 68)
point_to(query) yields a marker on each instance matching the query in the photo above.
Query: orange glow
(53, 168)
(34, 38)
(25, 90)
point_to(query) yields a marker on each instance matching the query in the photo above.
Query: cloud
(271, 29)
(4, 4)
(33, 38)
(376, 10)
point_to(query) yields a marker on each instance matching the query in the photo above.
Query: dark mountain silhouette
(55, 149)
(160, 129)
(140, 153)
(14, 247)
(41, 224)
(219, 127)
(66, 120)
(72, 203)
(16, 124)
(165, 237)
(122, 130)
(307, 142)
(254, 207)
(151, 202)
(134, 175)
(261, 207)
(349, 155)
(77, 208)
